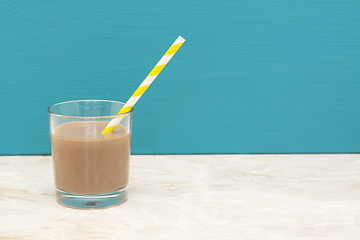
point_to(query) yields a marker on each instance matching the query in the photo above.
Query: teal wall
(252, 77)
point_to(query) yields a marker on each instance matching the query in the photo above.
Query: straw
(145, 84)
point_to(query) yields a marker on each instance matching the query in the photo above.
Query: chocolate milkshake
(88, 162)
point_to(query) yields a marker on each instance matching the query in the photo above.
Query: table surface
(194, 197)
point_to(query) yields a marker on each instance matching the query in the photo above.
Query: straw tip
(180, 39)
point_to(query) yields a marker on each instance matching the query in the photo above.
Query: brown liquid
(85, 162)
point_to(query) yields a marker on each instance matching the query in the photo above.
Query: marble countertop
(194, 197)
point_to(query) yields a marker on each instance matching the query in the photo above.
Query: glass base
(91, 201)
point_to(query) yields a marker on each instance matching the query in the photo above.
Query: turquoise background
(252, 77)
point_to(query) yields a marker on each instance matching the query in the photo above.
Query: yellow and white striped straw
(145, 84)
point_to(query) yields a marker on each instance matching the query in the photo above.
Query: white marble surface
(194, 197)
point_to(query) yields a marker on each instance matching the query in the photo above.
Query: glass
(91, 169)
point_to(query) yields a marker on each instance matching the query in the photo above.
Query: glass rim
(91, 100)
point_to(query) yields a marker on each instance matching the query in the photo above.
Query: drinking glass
(91, 169)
